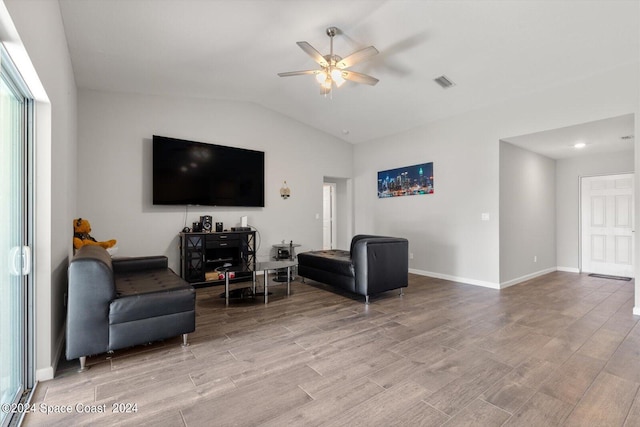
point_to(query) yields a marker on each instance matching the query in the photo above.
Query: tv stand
(203, 255)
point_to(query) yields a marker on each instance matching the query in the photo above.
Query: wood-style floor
(562, 349)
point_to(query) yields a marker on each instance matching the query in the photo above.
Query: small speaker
(207, 222)
(219, 227)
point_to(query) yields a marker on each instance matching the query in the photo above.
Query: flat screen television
(195, 173)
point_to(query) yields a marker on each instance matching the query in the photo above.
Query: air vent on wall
(444, 82)
(626, 137)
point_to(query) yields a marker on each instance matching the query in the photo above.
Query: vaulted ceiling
(233, 50)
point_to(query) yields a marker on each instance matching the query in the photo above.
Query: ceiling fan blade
(298, 73)
(359, 77)
(313, 53)
(357, 56)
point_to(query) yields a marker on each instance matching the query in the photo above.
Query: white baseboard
(569, 269)
(48, 373)
(455, 279)
(44, 374)
(527, 277)
(636, 311)
(484, 284)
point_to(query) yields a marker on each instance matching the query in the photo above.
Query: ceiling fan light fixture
(333, 67)
(336, 76)
(321, 77)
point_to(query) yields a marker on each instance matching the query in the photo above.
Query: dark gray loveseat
(374, 264)
(124, 302)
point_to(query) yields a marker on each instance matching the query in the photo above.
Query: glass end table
(266, 266)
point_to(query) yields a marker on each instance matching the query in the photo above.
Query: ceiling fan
(334, 68)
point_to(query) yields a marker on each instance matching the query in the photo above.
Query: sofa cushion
(150, 293)
(334, 261)
(149, 281)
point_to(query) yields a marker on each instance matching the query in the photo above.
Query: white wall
(445, 231)
(568, 174)
(39, 25)
(527, 214)
(114, 169)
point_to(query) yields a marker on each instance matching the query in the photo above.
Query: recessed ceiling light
(579, 145)
(345, 131)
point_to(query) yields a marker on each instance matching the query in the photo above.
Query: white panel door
(607, 224)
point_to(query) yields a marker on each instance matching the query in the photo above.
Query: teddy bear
(81, 236)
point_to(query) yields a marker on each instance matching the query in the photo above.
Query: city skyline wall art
(406, 181)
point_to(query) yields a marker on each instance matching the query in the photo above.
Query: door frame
(343, 222)
(27, 232)
(333, 234)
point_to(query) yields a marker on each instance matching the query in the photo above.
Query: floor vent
(605, 276)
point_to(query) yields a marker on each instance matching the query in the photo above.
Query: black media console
(204, 255)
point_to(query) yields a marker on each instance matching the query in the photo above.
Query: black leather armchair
(374, 264)
(124, 302)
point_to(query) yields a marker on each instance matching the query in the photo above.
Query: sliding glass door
(15, 254)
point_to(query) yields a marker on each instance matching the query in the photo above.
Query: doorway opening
(337, 212)
(329, 226)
